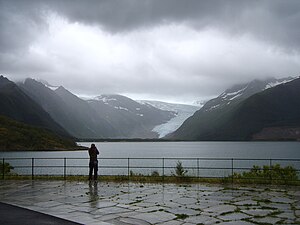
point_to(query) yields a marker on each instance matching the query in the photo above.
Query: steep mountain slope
(74, 114)
(133, 120)
(107, 116)
(243, 119)
(19, 136)
(19, 106)
(87, 119)
(242, 91)
(182, 112)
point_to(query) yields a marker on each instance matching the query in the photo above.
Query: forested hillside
(19, 136)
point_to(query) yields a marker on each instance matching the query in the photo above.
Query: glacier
(182, 113)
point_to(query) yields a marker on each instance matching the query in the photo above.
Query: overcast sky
(174, 50)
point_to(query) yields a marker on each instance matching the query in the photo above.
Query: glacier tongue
(182, 111)
(173, 124)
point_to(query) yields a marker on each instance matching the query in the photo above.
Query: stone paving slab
(14, 215)
(162, 204)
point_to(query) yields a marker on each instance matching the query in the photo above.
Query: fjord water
(201, 149)
(260, 150)
(150, 154)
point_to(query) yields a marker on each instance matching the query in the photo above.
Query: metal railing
(193, 167)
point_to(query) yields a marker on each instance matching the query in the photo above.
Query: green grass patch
(181, 216)
(274, 174)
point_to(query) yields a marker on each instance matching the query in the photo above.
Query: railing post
(3, 168)
(232, 170)
(270, 171)
(65, 168)
(32, 168)
(198, 168)
(163, 169)
(128, 169)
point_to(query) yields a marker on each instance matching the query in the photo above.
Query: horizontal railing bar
(125, 166)
(148, 167)
(158, 158)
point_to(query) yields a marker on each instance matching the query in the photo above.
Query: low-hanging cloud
(176, 50)
(271, 20)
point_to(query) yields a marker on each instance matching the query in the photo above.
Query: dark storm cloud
(20, 22)
(276, 21)
(168, 48)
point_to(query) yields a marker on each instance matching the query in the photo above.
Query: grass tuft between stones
(181, 216)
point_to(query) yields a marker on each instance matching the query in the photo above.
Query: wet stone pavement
(164, 204)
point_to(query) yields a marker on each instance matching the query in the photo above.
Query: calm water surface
(179, 149)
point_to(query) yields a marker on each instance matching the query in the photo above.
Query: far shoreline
(83, 148)
(79, 148)
(170, 140)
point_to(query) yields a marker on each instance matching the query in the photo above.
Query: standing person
(93, 152)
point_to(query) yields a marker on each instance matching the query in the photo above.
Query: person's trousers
(93, 167)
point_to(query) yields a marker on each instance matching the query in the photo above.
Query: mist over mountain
(107, 116)
(243, 111)
(73, 113)
(240, 92)
(94, 125)
(258, 110)
(18, 106)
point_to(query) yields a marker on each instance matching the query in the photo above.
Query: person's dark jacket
(93, 152)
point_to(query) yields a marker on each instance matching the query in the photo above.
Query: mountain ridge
(17, 105)
(240, 119)
(225, 117)
(107, 116)
(135, 119)
(76, 117)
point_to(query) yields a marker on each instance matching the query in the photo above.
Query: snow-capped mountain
(18, 105)
(245, 113)
(50, 86)
(278, 82)
(130, 117)
(200, 103)
(181, 111)
(106, 116)
(72, 113)
(242, 91)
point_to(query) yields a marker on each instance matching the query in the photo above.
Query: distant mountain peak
(4, 81)
(242, 91)
(17, 104)
(61, 88)
(2, 77)
(105, 98)
(279, 81)
(48, 85)
(271, 114)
